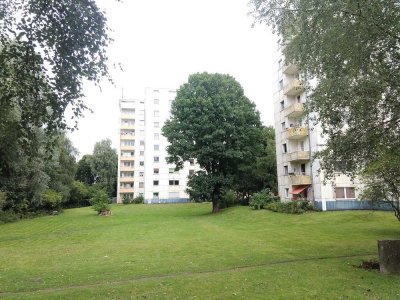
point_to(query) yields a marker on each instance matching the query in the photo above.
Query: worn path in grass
(151, 250)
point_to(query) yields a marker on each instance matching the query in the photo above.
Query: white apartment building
(142, 165)
(296, 143)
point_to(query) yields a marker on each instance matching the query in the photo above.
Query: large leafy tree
(104, 165)
(47, 49)
(260, 172)
(352, 48)
(213, 122)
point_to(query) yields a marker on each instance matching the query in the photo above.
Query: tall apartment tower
(142, 166)
(297, 142)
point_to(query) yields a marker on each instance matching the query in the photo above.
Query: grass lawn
(182, 251)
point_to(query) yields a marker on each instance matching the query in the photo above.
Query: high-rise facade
(297, 141)
(142, 166)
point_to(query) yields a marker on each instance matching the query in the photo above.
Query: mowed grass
(182, 251)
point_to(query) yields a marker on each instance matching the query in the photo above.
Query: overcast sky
(159, 43)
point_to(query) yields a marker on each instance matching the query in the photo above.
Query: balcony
(127, 169)
(127, 179)
(299, 156)
(126, 190)
(294, 110)
(296, 133)
(127, 158)
(294, 88)
(127, 137)
(127, 126)
(300, 179)
(290, 69)
(124, 147)
(127, 116)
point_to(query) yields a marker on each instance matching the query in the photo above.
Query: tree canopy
(213, 122)
(352, 49)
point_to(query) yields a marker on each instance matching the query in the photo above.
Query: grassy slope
(181, 251)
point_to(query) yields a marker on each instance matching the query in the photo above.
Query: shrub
(228, 199)
(126, 199)
(52, 200)
(292, 207)
(138, 200)
(8, 216)
(261, 199)
(100, 201)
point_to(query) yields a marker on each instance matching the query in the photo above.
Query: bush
(261, 199)
(126, 199)
(292, 207)
(52, 200)
(8, 216)
(138, 200)
(228, 199)
(101, 202)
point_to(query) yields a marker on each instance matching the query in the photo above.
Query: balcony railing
(126, 190)
(127, 116)
(296, 133)
(125, 147)
(127, 137)
(127, 126)
(127, 179)
(299, 156)
(294, 110)
(127, 158)
(294, 88)
(289, 69)
(130, 169)
(300, 179)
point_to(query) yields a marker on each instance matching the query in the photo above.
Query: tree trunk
(389, 256)
(215, 207)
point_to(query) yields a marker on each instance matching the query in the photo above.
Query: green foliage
(213, 122)
(292, 207)
(52, 200)
(8, 216)
(100, 201)
(261, 199)
(228, 199)
(138, 200)
(126, 199)
(104, 165)
(79, 195)
(84, 172)
(354, 54)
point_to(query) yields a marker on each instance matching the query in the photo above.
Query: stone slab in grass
(389, 256)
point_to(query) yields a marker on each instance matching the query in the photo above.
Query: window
(155, 182)
(156, 101)
(141, 174)
(127, 174)
(286, 192)
(191, 161)
(171, 170)
(303, 169)
(156, 113)
(285, 170)
(156, 147)
(283, 124)
(156, 136)
(174, 182)
(128, 111)
(129, 143)
(345, 193)
(281, 84)
(191, 172)
(282, 103)
(156, 159)
(298, 99)
(141, 163)
(141, 153)
(155, 195)
(284, 146)
(141, 143)
(141, 132)
(128, 164)
(279, 63)
(156, 91)
(302, 146)
(156, 171)
(141, 184)
(156, 124)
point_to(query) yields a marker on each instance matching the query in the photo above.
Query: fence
(167, 201)
(353, 205)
